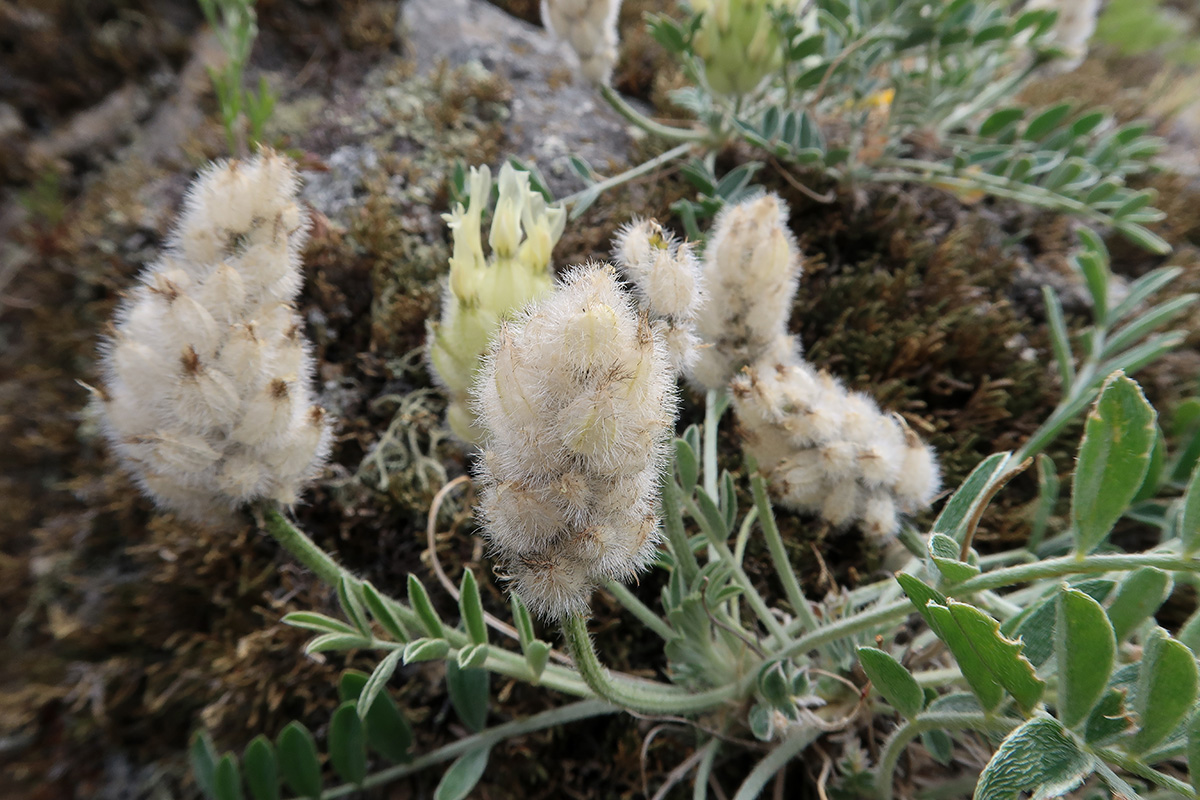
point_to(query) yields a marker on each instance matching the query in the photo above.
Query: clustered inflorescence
(824, 449)
(668, 282)
(206, 395)
(578, 398)
(590, 28)
(482, 291)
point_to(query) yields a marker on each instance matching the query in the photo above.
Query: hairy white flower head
(482, 291)
(1073, 29)
(830, 451)
(669, 284)
(590, 27)
(751, 270)
(578, 398)
(206, 395)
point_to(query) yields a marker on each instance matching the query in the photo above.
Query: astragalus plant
(1035, 669)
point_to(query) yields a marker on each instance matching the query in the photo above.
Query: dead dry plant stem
(431, 543)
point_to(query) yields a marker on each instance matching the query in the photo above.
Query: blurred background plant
(244, 111)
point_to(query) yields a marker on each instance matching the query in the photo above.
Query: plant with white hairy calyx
(669, 284)
(206, 371)
(751, 269)
(831, 451)
(590, 27)
(578, 398)
(480, 292)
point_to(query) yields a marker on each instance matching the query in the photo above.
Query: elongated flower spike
(751, 270)
(206, 395)
(577, 397)
(590, 27)
(481, 291)
(830, 451)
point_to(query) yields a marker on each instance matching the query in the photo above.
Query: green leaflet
(1113, 458)
(990, 662)
(1085, 648)
(1038, 756)
(895, 683)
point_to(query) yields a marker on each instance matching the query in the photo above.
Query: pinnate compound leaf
(227, 779)
(1113, 459)
(348, 743)
(388, 732)
(1085, 648)
(1138, 596)
(203, 758)
(463, 774)
(262, 769)
(298, 760)
(989, 662)
(469, 694)
(895, 683)
(944, 552)
(1038, 756)
(1166, 692)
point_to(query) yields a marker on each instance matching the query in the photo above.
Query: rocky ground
(123, 630)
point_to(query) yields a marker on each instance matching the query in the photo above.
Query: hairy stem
(643, 696)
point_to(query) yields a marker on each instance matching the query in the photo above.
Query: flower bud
(590, 28)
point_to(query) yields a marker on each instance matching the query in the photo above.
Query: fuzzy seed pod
(590, 27)
(206, 394)
(830, 451)
(480, 292)
(751, 270)
(577, 396)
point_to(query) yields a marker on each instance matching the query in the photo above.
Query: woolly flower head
(590, 27)
(751, 270)
(578, 398)
(669, 284)
(481, 291)
(206, 372)
(1073, 28)
(831, 451)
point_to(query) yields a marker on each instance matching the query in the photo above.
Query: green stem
(705, 768)
(627, 175)
(800, 738)
(1136, 767)
(1073, 565)
(761, 609)
(685, 559)
(848, 626)
(899, 740)
(647, 697)
(639, 119)
(553, 718)
(301, 547)
(779, 556)
(711, 420)
(640, 610)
